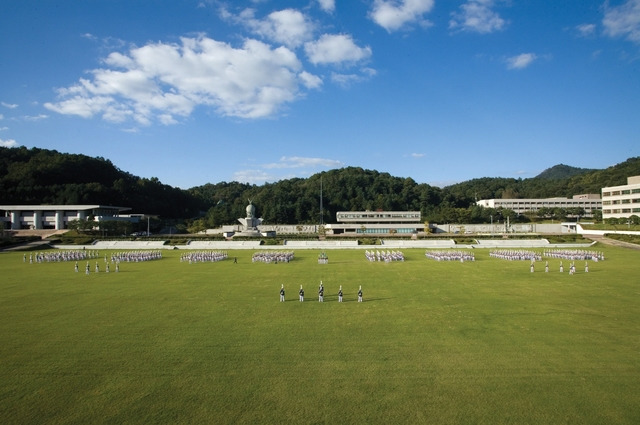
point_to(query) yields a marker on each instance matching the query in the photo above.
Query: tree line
(40, 176)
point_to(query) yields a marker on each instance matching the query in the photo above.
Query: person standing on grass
(561, 267)
(301, 293)
(321, 293)
(86, 269)
(546, 267)
(340, 294)
(76, 267)
(282, 293)
(360, 294)
(586, 267)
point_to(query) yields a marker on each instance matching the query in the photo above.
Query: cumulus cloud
(289, 26)
(521, 61)
(623, 20)
(10, 143)
(417, 155)
(477, 16)
(163, 82)
(393, 15)
(327, 5)
(334, 49)
(9, 105)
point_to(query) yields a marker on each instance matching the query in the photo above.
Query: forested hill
(562, 171)
(40, 176)
(589, 182)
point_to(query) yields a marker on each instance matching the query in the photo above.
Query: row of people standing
(320, 293)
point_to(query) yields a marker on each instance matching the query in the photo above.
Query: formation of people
(382, 255)
(56, 256)
(136, 256)
(574, 254)
(203, 257)
(515, 255)
(272, 257)
(450, 255)
(320, 293)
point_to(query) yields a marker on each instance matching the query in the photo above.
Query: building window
(606, 194)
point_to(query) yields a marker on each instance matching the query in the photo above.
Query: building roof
(60, 207)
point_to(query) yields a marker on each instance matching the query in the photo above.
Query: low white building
(621, 201)
(17, 217)
(376, 223)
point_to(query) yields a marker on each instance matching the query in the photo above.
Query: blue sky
(195, 92)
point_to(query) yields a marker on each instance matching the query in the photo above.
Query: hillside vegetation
(40, 176)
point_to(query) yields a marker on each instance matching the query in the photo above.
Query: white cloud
(10, 143)
(3, 128)
(35, 117)
(301, 162)
(163, 82)
(345, 80)
(585, 30)
(253, 176)
(623, 20)
(477, 16)
(9, 105)
(303, 166)
(392, 15)
(310, 81)
(521, 61)
(417, 155)
(289, 26)
(334, 49)
(327, 5)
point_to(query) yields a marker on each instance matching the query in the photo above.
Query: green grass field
(484, 342)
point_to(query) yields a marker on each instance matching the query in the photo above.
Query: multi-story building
(589, 202)
(621, 201)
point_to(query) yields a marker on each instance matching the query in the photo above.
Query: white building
(57, 216)
(621, 201)
(589, 202)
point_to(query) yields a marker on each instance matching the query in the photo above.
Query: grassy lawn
(484, 342)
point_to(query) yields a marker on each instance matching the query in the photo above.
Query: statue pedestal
(249, 227)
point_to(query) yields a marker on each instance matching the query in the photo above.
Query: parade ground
(433, 342)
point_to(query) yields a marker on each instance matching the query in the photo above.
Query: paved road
(613, 242)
